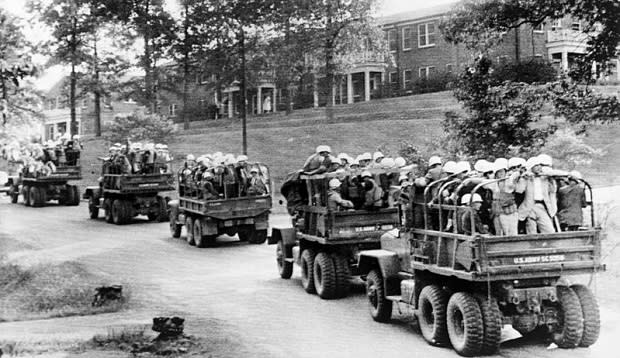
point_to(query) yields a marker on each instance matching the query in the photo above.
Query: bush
(532, 71)
(435, 83)
(569, 150)
(140, 126)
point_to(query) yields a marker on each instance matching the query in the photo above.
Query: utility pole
(242, 88)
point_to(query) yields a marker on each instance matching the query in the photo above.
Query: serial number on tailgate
(148, 185)
(538, 259)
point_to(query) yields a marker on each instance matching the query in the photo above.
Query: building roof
(413, 15)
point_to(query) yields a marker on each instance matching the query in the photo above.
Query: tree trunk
(329, 64)
(242, 88)
(148, 69)
(73, 128)
(5, 96)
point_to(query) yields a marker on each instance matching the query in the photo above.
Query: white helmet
(545, 160)
(323, 148)
(532, 162)
(164, 146)
(465, 199)
(242, 158)
(403, 177)
(462, 167)
(377, 155)
(190, 157)
(516, 162)
(254, 170)
(207, 174)
(365, 156)
(387, 163)
(158, 146)
(482, 166)
(400, 162)
(500, 163)
(366, 174)
(575, 174)
(434, 160)
(334, 183)
(355, 162)
(450, 167)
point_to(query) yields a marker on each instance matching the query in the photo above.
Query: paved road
(231, 293)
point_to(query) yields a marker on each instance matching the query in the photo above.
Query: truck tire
(307, 270)
(75, 195)
(464, 322)
(118, 212)
(68, 197)
(259, 236)
(175, 229)
(492, 324)
(324, 276)
(93, 210)
(432, 305)
(127, 211)
(162, 215)
(343, 274)
(591, 315)
(243, 232)
(37, 198)
(14, 193)
(26, 194)
(107, 209)
(199, 238)
(189, 227)
(380, 306)
(570, 330)
(285, 268)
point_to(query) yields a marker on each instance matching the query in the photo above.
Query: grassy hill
(284, 142)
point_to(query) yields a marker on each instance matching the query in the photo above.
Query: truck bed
(138, 183)
(485, 257)
(227, 209)
(62, 174)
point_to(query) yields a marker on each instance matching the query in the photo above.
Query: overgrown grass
(48, 291)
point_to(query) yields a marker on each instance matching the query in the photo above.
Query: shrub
(532, 71)
(139, 126)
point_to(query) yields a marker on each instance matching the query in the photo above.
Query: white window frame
(407, 48)
(449, 67)
(426, 70)
(426, 35)
(556, 24)
(405, 81)
(540, 28)
(389, 40)
(172, 109)
(575, 22)
(393, 77)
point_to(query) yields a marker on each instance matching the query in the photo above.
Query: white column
(259, 101)
(333, 95)
(274, 100)
(349, 88)
(340, 91)
(230, 104)
(382, 78)
(366, 85)
(618, 69)
(315, 92)
(565, 60)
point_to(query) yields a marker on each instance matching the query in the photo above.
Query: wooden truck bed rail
(138, 183)
(227, 209)
(62, 173)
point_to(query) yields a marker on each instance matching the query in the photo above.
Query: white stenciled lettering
(538, 259)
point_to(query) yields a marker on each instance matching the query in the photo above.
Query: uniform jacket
(335, 201)
(373, 196)
(571, 199)
(526, 185)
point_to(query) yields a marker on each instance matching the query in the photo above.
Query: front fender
(387, 263)
(287, 235)
(92, 192)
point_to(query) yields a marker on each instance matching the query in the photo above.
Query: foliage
(480, 24)
(569, 150)
(505, 118)
(139, 126)
(435, 83)
(532, 71)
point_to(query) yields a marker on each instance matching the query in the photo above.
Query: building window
(172, 109)
(576, 26)
(449, 68)
(539, 28)
(426, 72)
(407, 77)
(391, 37)
(538, 56)
(426, 35)
(407, 39)
(393, 77)
(556, 24)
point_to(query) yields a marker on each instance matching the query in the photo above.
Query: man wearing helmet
(335, 202)
(208, 191)
(539, 204)
(466, 220)
(256, 185)
(373, 197)
(318, 162)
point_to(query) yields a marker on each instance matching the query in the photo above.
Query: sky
(17, 7)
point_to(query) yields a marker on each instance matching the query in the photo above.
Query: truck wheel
(26, 194)
(14, 194)
(127, 211)
(324, 276)
(107, 209)
(307, 270)
(199, 238)
(285, 268)
(465, 327)
(92, 208)
(243, 233)
(35, 197)
(162, 215)
(75, 195)
(343, 274)
(432, 304)
(380, 306)
(492, 324)
(570, 328)
(591, 315)
(189, 227)
(175, 229)
(259, 236)
(118, 212)
(68, 197)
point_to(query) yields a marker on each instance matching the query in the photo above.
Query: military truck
(326, 243)
(464, 288)
(38, 188)
(233, 212)
(124, 196)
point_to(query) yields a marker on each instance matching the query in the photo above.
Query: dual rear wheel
(326, 274)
